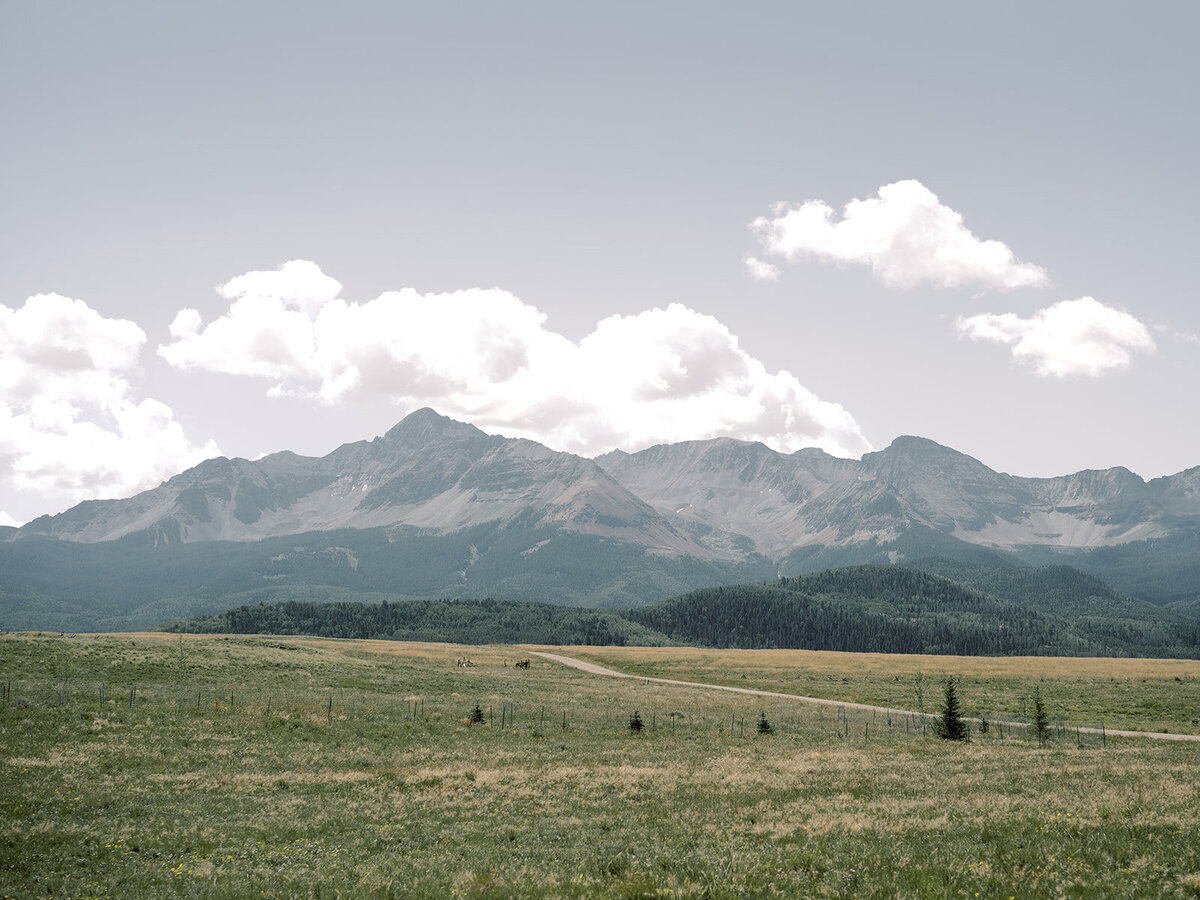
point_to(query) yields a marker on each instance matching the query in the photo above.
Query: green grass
(387, 793)
(1136, 694)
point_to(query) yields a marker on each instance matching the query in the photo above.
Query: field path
(594, 669)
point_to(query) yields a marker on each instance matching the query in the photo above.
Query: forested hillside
(886, 609)
(131, 584)
(883, 609)
(891, 609)
(455, 621)
(1162, 571)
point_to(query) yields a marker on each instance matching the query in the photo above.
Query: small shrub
(764, 725)
(476, 717)
(635, 722)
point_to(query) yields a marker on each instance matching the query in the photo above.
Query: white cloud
(484, 355)
(1072, 337)
(268, 330)
(69, 426)
(300, 284)
(1165, 328)
(904, 235)
(7, 520)
(759, 270)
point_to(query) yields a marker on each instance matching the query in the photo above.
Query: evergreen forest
(982, 610)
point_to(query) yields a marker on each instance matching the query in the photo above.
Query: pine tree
(476, 717)
(951, 726)
(635, 722)
(764, 726)
(1041, 719)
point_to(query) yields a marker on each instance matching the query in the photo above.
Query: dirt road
(595, 669)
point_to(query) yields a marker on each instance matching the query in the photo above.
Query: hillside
(884, 609)
(890, 609)
(131, 584)
(453, 621)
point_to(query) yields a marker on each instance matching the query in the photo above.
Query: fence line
(393, 703)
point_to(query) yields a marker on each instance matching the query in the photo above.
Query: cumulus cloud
(904, 235)
(484, 355)
(759, 270)
(1072, 337)
(69, 425)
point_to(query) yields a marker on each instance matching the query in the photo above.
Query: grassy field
(1137, 694)
(294, 767)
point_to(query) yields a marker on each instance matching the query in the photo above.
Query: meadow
(1120, 693)
(218, 766)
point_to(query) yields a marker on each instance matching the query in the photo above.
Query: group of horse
(467, 664)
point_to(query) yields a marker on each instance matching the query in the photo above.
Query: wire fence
(720, 717)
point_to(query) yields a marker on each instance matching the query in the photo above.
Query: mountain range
(436, 507)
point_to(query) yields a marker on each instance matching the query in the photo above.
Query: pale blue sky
(594, 162)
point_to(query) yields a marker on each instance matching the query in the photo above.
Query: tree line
(883, 609)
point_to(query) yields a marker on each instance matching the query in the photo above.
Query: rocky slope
(428, 471)
(716, 499)
(780, 502)
(435, 508)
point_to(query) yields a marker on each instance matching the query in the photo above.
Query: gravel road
(595, 669)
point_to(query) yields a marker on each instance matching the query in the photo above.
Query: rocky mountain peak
(425, 426)
(912, 449)
(720, 498)
(912, 460)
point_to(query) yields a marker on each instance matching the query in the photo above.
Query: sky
(236, 228)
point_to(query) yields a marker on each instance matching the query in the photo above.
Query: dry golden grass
(828, 662)
(1136, 694)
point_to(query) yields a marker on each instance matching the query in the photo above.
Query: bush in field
(635, 722)
(476, 717)
(764, 726)
(950, 726)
